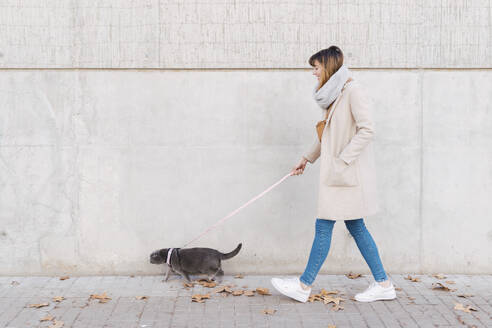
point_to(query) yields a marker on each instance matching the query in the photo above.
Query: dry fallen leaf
(267, 311)
(56, 324)
(332, 326)
(239, 276)
(439, 276)
(451, 282)
(249, 293)
(440, 286)
(314, 297)
(328, 299)
(413, 279)
(263, 291)
(207, 283)
(325, 292)
(398, 289)
(222, 289)
(237, 292)
(465, 295)
(460, 320)
(351, 275)
(245, 286)
(58, 298)
(47, 318)
(336, 307)
(64, 277)
(325, 297)
(40, 305)
(141, 297)
(199, 298)
(103, 298)
(188, 284)
(467, 309)
(411, 298)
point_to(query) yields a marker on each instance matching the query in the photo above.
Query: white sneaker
(376, 292)
(291, 287)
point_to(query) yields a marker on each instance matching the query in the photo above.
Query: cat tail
(227, 256)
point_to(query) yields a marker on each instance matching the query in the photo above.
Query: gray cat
(197, 260)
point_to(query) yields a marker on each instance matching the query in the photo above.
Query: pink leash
(240, 208)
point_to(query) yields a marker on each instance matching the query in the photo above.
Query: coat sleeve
(364, 123)
(313, 153)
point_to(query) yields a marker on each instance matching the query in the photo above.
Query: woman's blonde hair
(330, 59)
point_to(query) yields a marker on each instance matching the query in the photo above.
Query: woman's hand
(299, 168)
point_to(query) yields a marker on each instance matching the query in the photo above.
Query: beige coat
(347, 186)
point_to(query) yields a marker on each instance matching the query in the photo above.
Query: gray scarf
(332, 88)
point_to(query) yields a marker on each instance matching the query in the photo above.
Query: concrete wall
(128, 126)
(98, 168)
(243, 34)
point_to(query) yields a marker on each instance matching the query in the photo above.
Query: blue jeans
(321, 246)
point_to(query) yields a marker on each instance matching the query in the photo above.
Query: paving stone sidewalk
(170, 304)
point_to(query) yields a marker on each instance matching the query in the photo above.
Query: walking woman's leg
(367, 247)
(319, 250)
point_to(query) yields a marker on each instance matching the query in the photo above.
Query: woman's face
(317, 69)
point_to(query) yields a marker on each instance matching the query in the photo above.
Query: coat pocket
(341, 174)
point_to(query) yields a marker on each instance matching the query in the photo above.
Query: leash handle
(237, 210)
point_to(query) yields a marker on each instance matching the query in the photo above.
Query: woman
(347, 187)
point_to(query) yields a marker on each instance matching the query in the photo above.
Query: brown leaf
(142, 297)
(199, 298)
(325, 292)
(413, 279)
(237, 292)
(58, 298)
(398, 289)
(39, 305)
(465, 295)
(239, 276)
(451, 282)
(267, 311)
(263, 291)
(47, 318)
(328, 299)
(64, 277)
(351, 275)
(245, 286)
(188, 284)
(56, 324)
(223, 289)
(336, 307)
(411, 298)
(440, 286)
(207, 283)
(249, 293)
(439, 276)
(332, 326)
(467, 309)
(103, 298)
